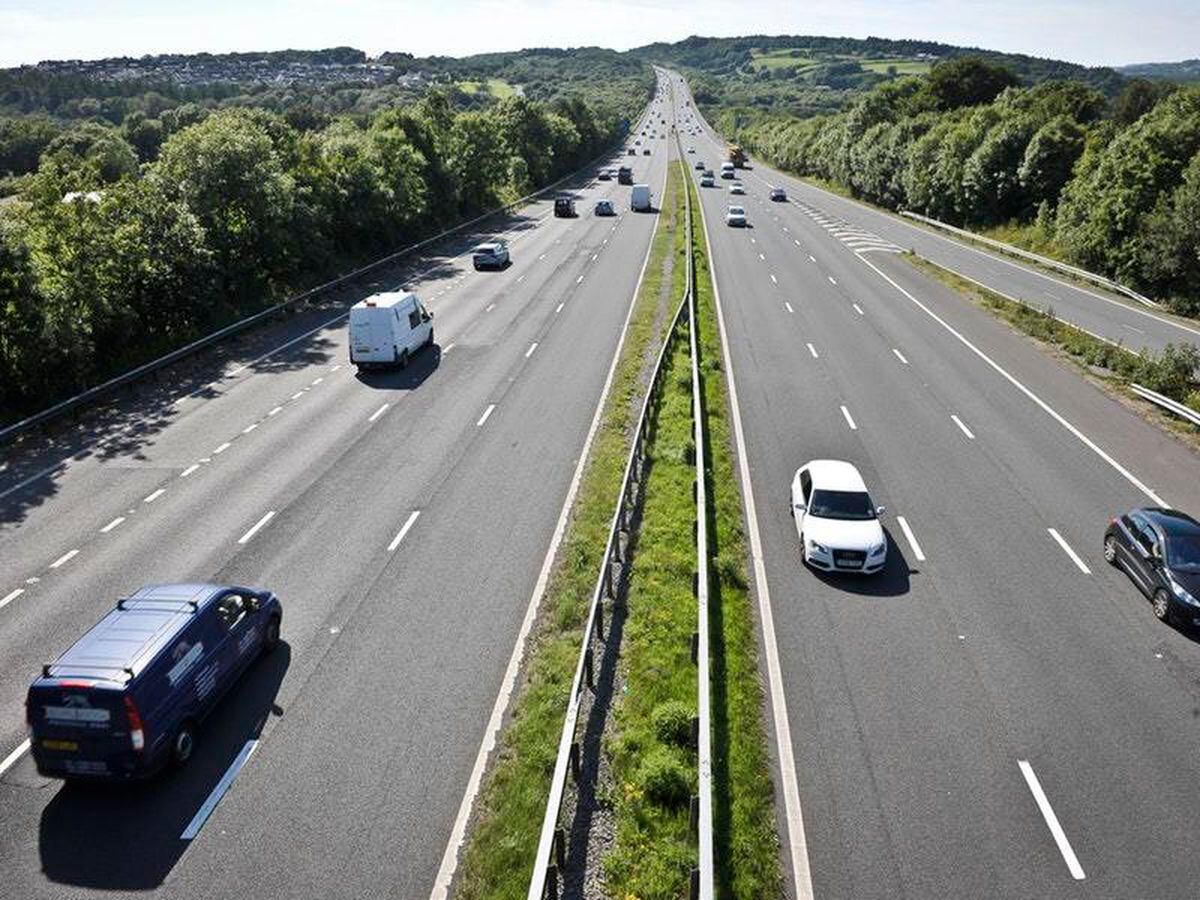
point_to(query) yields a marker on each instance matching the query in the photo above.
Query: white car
(837, 523)
(691, 149)
(736, 188)
(736, 217)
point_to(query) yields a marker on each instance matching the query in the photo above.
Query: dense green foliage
(125, 242)
(1112, 185)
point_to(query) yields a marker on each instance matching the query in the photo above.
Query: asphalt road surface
(997, 714)
(402, 518)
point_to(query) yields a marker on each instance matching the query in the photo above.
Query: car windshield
(841, 505)
(736, 211)
(1183, 552)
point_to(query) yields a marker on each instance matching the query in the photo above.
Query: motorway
(1103, 313)
(404, 519)
(997, 714)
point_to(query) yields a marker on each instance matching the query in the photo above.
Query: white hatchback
(836, 521)
(736, 217)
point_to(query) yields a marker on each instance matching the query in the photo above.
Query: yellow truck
(737, 156)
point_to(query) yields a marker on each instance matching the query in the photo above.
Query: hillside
(809, 75)
(1185, 70)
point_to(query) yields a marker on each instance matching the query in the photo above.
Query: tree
(22, 141)
(475, 159)
(1049, 160)
(227, 172)
(1137, 98)
(967, 81)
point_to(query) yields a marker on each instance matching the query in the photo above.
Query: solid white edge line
(962, 426)
(1069, 550)
(64, 559)
(911, 538)
(486, 413)
(1056, 829)
(113, 524)
(256, 526)
(9, 598)
(441, 884)
(150, 498)
(1088, 442)
(11, 759)
(210, 804)
(849, 419)
(797, 842)
(408, 523)
(379, 412)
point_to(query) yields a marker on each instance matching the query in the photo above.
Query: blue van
(126, 699)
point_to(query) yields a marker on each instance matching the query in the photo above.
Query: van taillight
(137, 737)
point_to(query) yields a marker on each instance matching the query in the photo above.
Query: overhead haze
(1100, 32)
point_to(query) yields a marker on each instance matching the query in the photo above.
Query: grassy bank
(1170, 372)
(498, 857)
(747, 847)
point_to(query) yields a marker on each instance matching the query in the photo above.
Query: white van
(639, 198)
(727, 170)
(386, 329)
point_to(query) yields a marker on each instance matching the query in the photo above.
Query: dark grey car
(1160, 550)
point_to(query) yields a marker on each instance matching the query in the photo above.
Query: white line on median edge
(189, 470)
(1056, 830)
(379, 412)
(813, 351)
(1067, 549)
(849, 420)
(408, 523)
(113, 524)
(774, 280)
(10, 597)
(831, 279)
(1000, 370)
(65, 558)
(789, 306)
(912, 540)
(249, 428)
(532, 347)
(797, 842)
(486, 413)
(150, 498)
(858, 309)
(441, 884)
(11, 759)
(206, 808)
(256, 526)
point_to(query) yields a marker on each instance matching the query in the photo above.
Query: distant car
(707, 181)
(604, 208)
(492, 255)
(736, 188)
(709, 173)
(736, 217)
(778, 194)
(646, 152)
(638, 141)
(128, 697)
(1160, 551)
(631, 152)
(564, 206)
(699, 164)
(836, 521)
(604, 175)
(691, 149)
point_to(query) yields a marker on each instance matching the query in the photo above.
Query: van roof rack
(127, 670)
(124, 600)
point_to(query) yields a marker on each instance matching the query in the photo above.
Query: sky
(1100, 32)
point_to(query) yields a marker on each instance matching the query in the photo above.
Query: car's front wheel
(183, 744)
(1110, 550)
(1161, 605)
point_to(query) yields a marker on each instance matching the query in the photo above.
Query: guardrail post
(573, 758)
(694, 886)
(600, 621)
(695, 647)
(551, 892)
(694, 812)
(588, 665)
(560, 849)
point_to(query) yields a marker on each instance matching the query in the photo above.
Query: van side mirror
(880, 510)
(251, 603)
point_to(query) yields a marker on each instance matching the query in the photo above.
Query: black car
(564, 206)
(1160, 550)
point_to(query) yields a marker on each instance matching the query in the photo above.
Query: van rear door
(371, 334)
(79, 726)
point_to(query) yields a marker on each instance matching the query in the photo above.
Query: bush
(664, 780)
(672, 722)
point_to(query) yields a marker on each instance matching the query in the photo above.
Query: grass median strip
(746, 843)
(498, 857)
(1170, 372)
